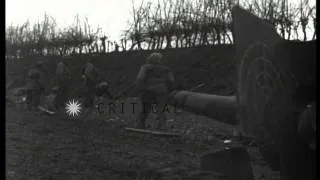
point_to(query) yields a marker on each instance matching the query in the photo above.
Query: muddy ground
(96, 146)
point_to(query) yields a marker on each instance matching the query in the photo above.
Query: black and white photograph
(160, 89)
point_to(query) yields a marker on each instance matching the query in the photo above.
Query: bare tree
(161, 24)
(305, 12)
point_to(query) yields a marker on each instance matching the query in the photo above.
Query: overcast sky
(110, 15)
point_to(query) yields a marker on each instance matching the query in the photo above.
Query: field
(96, 146)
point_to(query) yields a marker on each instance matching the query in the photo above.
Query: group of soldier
(35, 84)
(154, 82)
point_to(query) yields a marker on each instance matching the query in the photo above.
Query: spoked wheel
(261, 94)
(263, 99)
(267, 111)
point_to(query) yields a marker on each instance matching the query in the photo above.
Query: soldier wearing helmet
(63, 78)
(154, 81)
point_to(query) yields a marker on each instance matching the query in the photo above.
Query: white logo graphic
(73, 108)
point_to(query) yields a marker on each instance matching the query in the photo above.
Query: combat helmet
(154, 58)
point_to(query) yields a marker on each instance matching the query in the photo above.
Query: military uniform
(63, 78)
(91, 75)
(154, 82)
(33, 89)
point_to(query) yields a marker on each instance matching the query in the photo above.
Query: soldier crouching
(154, 81)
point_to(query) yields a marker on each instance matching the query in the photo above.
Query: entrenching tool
(269, 100)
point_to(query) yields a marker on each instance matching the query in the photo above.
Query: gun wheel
(262, 94)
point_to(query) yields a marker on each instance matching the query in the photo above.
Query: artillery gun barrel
(220, 108)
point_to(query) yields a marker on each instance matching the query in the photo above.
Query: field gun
(275, 82)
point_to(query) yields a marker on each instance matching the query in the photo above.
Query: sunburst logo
(73, 108)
